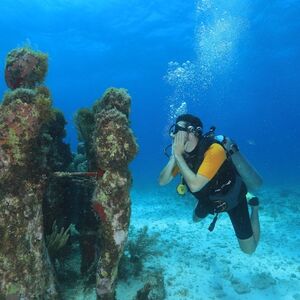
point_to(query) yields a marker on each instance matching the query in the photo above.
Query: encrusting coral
(31, 133)
(32, 197)
(114, 98)
(20, 125)
(25, 68)
(23, 255)
(112, 131)
(115, 147)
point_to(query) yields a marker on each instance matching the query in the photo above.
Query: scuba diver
(216, 173)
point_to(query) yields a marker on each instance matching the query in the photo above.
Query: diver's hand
(179, 143)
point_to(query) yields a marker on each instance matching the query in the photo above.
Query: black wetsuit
(224, 182)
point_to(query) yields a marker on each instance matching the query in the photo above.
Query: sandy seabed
(202, 265)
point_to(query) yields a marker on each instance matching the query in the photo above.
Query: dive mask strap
(175, 128)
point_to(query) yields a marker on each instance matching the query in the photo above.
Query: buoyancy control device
(247, 172)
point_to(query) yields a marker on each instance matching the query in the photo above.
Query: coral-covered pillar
(24, 265)
(25, 269)
(115, 147)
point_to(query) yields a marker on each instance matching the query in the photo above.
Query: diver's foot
(254, 202)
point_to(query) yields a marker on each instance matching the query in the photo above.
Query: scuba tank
(249, 175)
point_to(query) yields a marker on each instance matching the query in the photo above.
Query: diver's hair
(192, 120)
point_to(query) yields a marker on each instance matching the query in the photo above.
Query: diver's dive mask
(187, 128)
(175, 128)
(172, 131)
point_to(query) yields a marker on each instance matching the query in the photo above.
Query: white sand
(199, 264)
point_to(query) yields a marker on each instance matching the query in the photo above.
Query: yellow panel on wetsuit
(214, 157)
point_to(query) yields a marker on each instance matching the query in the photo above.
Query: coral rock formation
(25, 268)
(115, 147)
(24, 265)
(25, 68)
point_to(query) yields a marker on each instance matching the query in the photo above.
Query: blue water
(237, 63)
